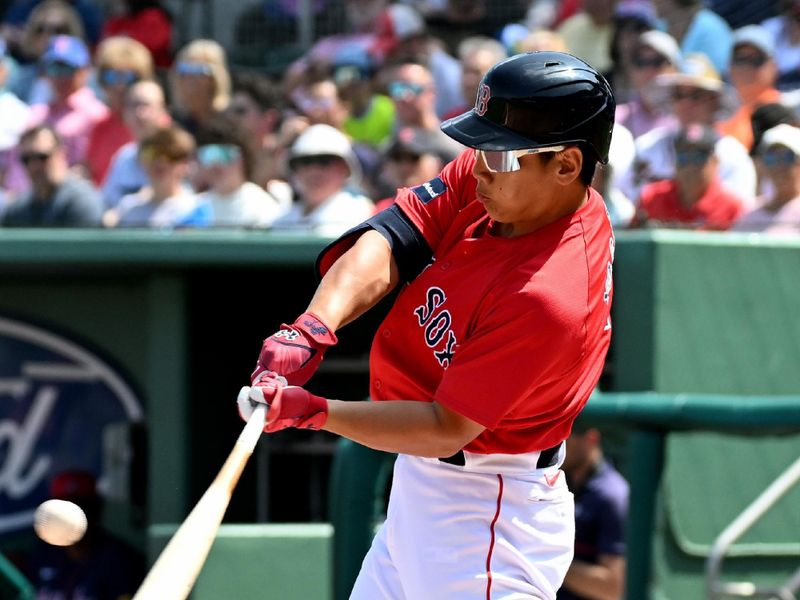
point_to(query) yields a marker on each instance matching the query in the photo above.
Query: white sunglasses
(506, 161)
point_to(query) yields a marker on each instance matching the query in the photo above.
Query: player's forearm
(594, 582)
(408, 427)
(357, 281)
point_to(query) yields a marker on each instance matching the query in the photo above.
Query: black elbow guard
(410, 250)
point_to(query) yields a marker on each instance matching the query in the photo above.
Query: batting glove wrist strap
(296, 350)
(289, 406)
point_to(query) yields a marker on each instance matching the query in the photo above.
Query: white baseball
(59, 522)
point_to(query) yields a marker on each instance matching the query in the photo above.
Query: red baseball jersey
(509, 332)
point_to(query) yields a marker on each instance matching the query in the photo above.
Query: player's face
(533, 196)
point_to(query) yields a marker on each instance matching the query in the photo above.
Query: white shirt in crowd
(249, 206)
(331, 218)
(139, 210)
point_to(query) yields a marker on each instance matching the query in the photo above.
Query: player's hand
(296, 350)
(289, 405)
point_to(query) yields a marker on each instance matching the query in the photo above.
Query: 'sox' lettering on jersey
(436, 323)
(430, 190)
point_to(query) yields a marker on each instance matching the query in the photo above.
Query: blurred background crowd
(310, 113)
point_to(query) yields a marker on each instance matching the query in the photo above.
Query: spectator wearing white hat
(779, 157)
(753, 73)
(655, 53)
(696, 94)
(324, 170)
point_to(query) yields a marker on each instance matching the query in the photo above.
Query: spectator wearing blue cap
(73, 109)
(754, 74)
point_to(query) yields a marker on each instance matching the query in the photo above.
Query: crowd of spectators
(109, 120)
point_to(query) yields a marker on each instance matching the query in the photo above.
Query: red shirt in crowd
(151, 26)
(716, 209)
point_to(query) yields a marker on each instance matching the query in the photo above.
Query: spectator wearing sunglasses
(119, 62)
(696, 94)
(325, 174)
(753, 73)
(402, 35)
(144, 112)
(694, 198)
(56, 197)
(631, 19)
(74, 109)
(200, 84)
(779, 157)
(410, 86)
(87, 11)
(52, 17)
(655, 53)
(166, 201)
(225, 160)
(147, 22)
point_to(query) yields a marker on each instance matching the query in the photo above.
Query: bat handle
(252, 431)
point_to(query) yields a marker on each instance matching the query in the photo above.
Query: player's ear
(570, 162)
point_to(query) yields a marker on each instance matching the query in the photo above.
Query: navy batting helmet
(535, 100)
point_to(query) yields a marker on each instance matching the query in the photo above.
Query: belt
(547, 458)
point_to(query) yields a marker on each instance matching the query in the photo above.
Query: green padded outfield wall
(182, 315)
(710, 313)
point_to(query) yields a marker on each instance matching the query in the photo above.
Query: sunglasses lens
(217, 154)
(499, 161)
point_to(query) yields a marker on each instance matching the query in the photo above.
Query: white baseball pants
(496, 528)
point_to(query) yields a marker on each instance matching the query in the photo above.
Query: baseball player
(491, 348)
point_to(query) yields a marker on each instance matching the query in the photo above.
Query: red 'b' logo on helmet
(482, 101)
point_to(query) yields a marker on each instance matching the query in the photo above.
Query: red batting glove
(289, 406)
(296, 350)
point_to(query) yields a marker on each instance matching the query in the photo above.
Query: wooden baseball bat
(174, 573)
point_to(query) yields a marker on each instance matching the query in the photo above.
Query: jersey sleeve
(521, 344)
(433, 205)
